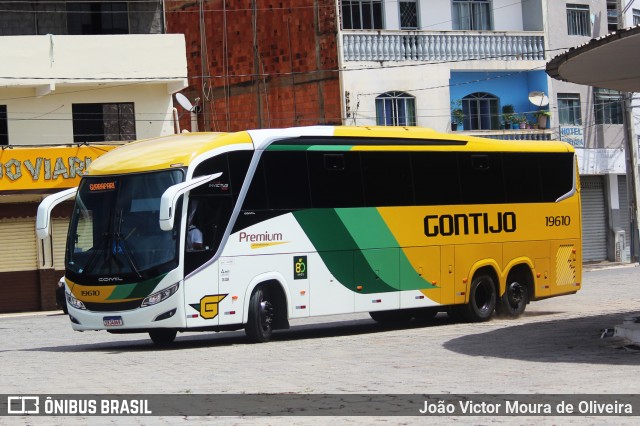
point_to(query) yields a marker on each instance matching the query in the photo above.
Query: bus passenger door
(420, 277)
(377, 279)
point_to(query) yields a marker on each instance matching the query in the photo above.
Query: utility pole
(633, 185)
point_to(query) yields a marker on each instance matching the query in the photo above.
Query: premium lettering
(258, 238)
(471, 223)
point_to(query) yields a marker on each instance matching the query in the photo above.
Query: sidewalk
(598, 266)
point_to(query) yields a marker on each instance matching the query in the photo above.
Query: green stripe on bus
(359, 250)
(136, 290)
(280, 147)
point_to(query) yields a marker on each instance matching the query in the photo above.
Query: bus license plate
(112, 321)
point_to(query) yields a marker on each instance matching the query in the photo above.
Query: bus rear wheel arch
(516, 294)
(267, 312)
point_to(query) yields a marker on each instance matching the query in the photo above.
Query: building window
(362, 14)
(578, 22)
(480, 112)
(87, 18)
(395, 109)
(569, 112)
(103, 122)
(608, 105)
(472, 15)
(636, 17)
(4, 126)
(408, 14)
(612, 15)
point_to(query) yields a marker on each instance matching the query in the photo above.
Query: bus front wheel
(482, 299)
(162, 337)
(259, 327)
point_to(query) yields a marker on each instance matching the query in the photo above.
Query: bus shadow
(574, 340)
(195, 340)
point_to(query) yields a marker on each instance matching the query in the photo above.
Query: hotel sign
(46, 167)
(573, 135)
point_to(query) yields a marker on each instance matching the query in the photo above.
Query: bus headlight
(158, 297)
(75, 302)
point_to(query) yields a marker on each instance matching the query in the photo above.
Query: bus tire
(162, 337)
(397, 315)
(514, 300)
(482, 299)
(259, 326)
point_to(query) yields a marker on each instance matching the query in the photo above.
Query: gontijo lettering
(471, 223)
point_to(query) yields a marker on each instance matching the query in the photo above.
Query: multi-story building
(476, 66)
(71, 73)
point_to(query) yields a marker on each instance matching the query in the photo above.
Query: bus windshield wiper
(120, 243)
(122, 247)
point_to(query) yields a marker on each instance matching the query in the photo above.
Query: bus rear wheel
(513, 301)
(259, 327)
(482, 299)
(162, 337)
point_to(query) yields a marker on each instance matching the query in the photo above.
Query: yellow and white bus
(220, 231)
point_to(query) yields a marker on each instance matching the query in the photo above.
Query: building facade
(73, 75)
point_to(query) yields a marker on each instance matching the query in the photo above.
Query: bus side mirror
(170, 198)
(43, 217)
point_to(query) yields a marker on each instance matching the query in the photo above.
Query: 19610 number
(558, 220)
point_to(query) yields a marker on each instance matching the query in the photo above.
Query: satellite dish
(184, 102)
(539, 99)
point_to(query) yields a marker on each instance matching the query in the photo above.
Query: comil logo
(23, 405)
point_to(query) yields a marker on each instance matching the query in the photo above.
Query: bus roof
(163, 152)
(182, 149)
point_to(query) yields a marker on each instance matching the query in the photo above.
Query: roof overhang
(610, 62)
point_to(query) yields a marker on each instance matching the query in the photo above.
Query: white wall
(41, 77)
(48, 119)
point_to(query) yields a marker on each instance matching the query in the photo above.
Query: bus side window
(287, 180)
(387, 178)
(557, 178)
(335, 179)
(482, 180)
(522, 177)
(436, 178)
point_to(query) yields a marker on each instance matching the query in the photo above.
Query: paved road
(555, 348)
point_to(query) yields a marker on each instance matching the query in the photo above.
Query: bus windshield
(114, 227)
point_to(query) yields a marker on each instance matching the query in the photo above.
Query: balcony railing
(442, 46)
(514, 135)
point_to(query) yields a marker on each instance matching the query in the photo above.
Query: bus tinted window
(287, 180)
(219, 186)
(436, 178)
(522, 177)
(256, 198)
(387, 179)
(557, 175)
(482, 181)
(238, 165)
(335, 179)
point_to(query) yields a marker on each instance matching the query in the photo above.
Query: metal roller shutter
(18, 250)
(594, 219)
(19, 277)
